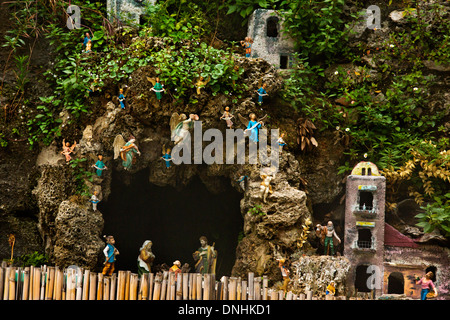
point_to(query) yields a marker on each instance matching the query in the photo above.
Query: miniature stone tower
(364, 228)
(269, 42)
(127, 10)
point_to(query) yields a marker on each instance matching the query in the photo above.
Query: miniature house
(372, 244)
(269, 41)
(127, 10)
(364, 224)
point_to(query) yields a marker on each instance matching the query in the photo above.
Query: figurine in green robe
(158, 88)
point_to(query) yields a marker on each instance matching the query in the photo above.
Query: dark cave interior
(173, 220)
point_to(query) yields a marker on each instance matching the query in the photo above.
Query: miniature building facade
(127, 10)
(364, 227)
(269, 42)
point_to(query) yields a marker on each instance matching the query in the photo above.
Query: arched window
(361, 277)
(396, 283)
(272, 27)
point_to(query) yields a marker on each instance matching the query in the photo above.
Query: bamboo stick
(30, 291)
(251, 286)
(225, 288)
(185, 286)
(289, 295)
(100, 286)
(12, 284)
(79, 284)
(207, 287)
(59, 278)
(85, 291)
(198, 285)
(143, 288)
(232, 287)
(151, 280)
(6, 284)
(192, 287)
(106, 287)
(19, 284)
(127, 285)
(2, 282)
(273, 295)
(179, 287)
(281, 295)
(113, 285)
(213, 287)
(157, 288)
(26, 283)
(244, 290)
(265, 287)
(36, 283)
(92, 285)
(43, 277)
(50, 283)
(257, 288)
(164, 285)
(309, 294)
(121, 285)
(302, 296)
(171, 286)
(239, 289)
(133, 286)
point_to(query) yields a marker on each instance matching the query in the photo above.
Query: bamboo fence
(54, 283)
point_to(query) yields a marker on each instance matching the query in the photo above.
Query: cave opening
(173, 219)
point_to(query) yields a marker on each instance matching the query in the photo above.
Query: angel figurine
(281, 142)
(261, 93)
(121, 98)
(201, 83)
(253, 125)
(67, 149)
(125, 150)
(99, 165)
(265, 186)
(166, 157)
(227, 117)
(180, 125)
(94, 199)
(158, 88)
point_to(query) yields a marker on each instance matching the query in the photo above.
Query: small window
(365, 200)
(363, 171)
(272, 27)
(369, 171)
(396, 283)
(364, 238)
(284, 61)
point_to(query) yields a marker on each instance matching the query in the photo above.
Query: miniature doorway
(272, 27)
(396, 283)
(173, 220)
(361, 277)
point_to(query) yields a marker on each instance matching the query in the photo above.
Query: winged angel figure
(126, 150)
(252, 126)
(180, 125)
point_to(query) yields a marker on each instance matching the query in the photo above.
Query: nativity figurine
(68, 149)
(253, 125)
(328, 237)
(206, 257)
(110, 253)
(127, 151)
(180, 126)
(227, 116)
(145, 258)
(99, 166)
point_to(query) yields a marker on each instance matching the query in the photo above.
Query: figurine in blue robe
(261, 93)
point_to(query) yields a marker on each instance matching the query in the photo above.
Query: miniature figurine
(121, 98)
(331, 290)
(86, 40)
(67, 149)
(247, 44)
(265, 186)
(252, 125)
(88, 46)
(158, 88)
(242, 181)
(99, 165)
(166, 157)
(206, 257)
(176, 269)
(201, 83)
(227, 117)
(281, 142)
(261, 93)
(427, 284)
(327, 235)
(94, 199)
(180, 125)
(125, 150)
(110, 252)
(145, 258)
(284, 273)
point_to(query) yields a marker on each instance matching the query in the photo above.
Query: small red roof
(393, 237)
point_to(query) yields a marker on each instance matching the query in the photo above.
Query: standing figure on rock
(247, 44)
(252, 126)
(99, 165)
(328, 237)
(206, 257)
(126, 151)
(227, 116)
(265, 186)
(121, 99)
(158, 89)
(262, 93)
